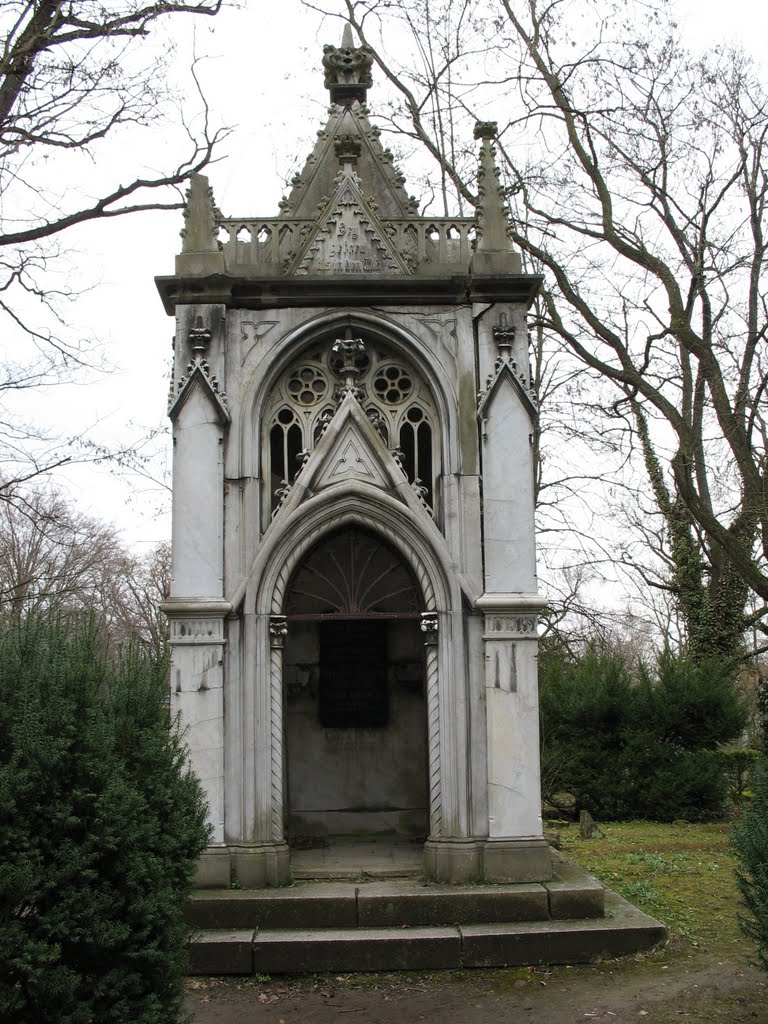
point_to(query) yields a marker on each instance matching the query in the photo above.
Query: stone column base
(462, 861)
(516, 860)
(255, 867)
(456, 861)
(252, 867)
(213, 869)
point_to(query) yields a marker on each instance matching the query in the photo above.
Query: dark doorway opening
(355, 714)
(353, 674)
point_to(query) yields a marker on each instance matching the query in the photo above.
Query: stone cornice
(501, 603)
(189, 607)
(275, 292)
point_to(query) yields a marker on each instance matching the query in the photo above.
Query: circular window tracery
(392, 384)
(307, 385)
(396, 400)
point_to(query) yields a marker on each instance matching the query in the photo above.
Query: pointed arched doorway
(355, 710)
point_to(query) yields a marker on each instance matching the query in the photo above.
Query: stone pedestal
(260, 865)
(455, 861)
(213, 869)
(516, 860)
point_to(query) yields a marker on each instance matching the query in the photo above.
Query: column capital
(429, 626)
(278, 630)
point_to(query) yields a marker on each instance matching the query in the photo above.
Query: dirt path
(660, 988)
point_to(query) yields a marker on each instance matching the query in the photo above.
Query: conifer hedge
(751, 843)
(100, 827)
(626, 743)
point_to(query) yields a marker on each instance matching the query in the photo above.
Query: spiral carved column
(429, 625)
(278, 631)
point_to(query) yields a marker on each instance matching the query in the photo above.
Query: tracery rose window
(396, 399)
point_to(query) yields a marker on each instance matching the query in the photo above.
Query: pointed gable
(352, 458)
(348, 138)
(348, 239)
(348, 214)
(351, 452)
(198, 380)
(506, 373)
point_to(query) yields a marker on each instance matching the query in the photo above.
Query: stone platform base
(451, 861)
(404, 925)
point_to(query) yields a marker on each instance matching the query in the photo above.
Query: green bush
(635, 748)
(751, 843)
(100, 827)
(738, 767)
(693, 705)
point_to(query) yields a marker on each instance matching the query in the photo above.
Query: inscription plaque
(353, 674)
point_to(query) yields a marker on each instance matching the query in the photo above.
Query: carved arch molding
(337, 522)
(352, 573)
(279, 628)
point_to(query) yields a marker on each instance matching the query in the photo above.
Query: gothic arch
(286, 542)
(423, 548)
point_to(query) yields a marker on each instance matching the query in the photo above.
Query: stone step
(392, 905)
(354, 948)
(571, 895)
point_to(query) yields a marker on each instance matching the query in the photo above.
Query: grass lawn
(682, 874)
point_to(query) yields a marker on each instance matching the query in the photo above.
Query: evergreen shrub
(751, 843)
(627, 745)
(100, 827)
(739, 765)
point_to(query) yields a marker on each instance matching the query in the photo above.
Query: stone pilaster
(264, 858)
(196, 608)
(515, 850)
(197, 699)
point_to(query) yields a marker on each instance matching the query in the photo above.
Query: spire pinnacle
(200, 250)
(493, 241)
(491, 215)
(347, 70)
(201, 217)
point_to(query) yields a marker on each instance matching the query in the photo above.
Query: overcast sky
(263, 77)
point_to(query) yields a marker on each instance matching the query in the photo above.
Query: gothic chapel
(354, 600)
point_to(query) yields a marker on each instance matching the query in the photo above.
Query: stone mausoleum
(354, 601)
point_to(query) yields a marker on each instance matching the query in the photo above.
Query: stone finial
(491, 213)
(486, 130)
(347, 70)
(199, 337)
(349, 352)
(347, 148)
(201, 217)
(504, 336)
(493, 251)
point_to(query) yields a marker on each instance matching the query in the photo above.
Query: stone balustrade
(274, 242)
